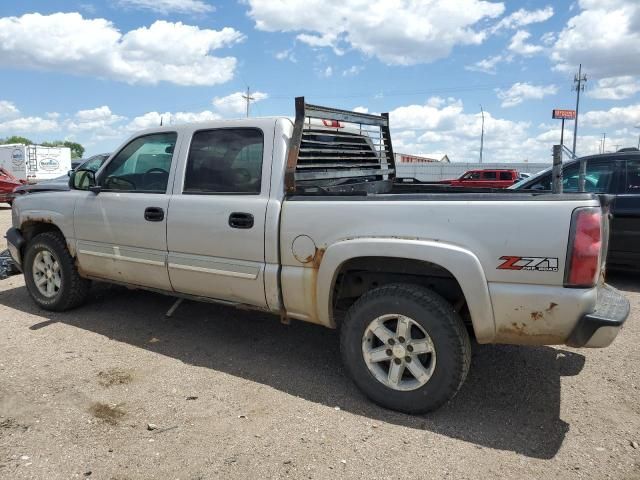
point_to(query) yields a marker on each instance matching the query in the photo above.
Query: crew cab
(497, 178)
(615, 174)
(306, 222)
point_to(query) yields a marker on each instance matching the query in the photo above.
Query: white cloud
(604, 36)
(445, 127)
(235, 104)
(327, 72)
(99, 120)
(520, 46)
(152, 119)
(523, 17)
(287, 54)
(8, 109)
(402, 32)
(427, 116)
(352, 71)
(519, 92)
(615, 88)
(165, 7)
(27, 125)
(628, 116)
(163, 52)
(548, 38)
(488, 65)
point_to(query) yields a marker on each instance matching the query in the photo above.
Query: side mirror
(70, 172)
(83, 180)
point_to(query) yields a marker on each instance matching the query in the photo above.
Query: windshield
(521, 182)
(95, 162)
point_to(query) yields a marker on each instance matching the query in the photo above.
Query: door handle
(154, 214)
(240, 220)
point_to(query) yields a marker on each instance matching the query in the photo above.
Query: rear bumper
(600, 327)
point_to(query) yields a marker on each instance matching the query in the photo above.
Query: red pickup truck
(498, 178)
(7, 183)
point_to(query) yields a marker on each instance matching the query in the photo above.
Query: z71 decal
(539, 264)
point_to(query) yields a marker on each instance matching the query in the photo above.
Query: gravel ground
(233, 394)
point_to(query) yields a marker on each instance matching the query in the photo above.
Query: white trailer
(35, 162)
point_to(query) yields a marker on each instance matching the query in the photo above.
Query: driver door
(121, 231)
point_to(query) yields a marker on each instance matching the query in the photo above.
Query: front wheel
(50, 274)
(405, 347)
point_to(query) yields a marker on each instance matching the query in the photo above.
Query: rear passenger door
(215, 231)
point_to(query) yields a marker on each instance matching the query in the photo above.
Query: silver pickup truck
(304, 219)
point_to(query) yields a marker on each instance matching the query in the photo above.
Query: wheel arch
(446, 260)
(33, 223)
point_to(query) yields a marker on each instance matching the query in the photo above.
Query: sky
(96, 71)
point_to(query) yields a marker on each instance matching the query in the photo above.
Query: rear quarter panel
(467, 237)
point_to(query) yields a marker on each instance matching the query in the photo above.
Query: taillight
(585, 243)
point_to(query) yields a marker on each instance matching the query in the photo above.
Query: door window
(471, 176)
(489, 175)
(599, 174)
(227, 160)
(633, 177)
(142, 166)
(505, 175)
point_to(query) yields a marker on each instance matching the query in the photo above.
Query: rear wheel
(406, 348)
(51, 275)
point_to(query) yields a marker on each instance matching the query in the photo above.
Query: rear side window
(505, 175)
(633, 177)
(490, 175)
(227, 160)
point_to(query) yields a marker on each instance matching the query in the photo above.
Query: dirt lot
(238, 395)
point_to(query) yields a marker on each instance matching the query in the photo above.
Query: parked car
(306, 222)
(616, 174)
(7, 184)
(61, 183)
(498, 178)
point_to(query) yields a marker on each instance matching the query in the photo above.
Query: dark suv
(617, 174)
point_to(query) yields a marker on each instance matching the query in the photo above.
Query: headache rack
(345, 152)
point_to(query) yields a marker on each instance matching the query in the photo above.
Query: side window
(633, 177)
(141, 166)
(490, 175)
(505, 175)
(599, 174)
(226, 160)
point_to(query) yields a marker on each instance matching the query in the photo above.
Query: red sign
(332, 123)
(564, 114)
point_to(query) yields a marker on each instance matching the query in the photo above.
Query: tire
(433, 325)
(72, 289)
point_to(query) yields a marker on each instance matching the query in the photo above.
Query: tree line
(77, 150)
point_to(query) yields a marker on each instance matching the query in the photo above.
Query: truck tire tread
(456, 340)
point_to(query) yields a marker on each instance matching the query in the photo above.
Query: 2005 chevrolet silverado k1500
(303, 219)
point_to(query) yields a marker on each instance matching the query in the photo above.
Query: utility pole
(579, 80)
(481, 134)
(638, 127)
(248, 98)
(604, 140)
